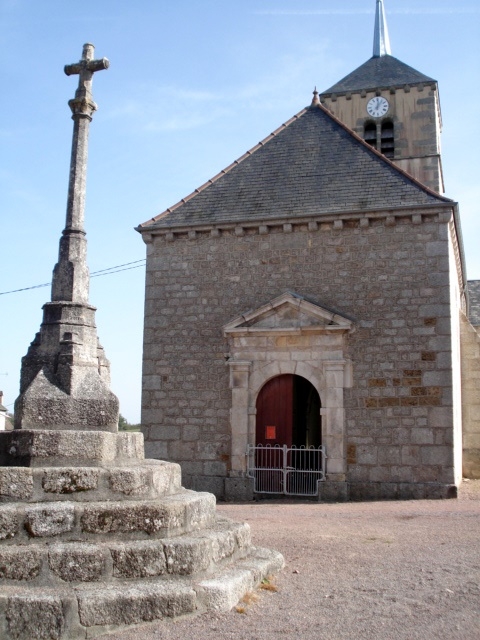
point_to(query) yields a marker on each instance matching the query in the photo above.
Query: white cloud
(171, 108)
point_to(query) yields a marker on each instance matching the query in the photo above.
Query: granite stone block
(16, 483)
(20, 563)
(36, 616)
(77, 562)
(45, 520)
(138, 559)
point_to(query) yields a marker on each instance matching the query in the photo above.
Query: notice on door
(270, 433)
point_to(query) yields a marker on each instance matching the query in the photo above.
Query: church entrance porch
(288, 457)
(286, 348)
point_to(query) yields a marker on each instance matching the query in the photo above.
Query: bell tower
(393, 107)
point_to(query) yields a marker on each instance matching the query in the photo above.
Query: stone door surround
(289, 335)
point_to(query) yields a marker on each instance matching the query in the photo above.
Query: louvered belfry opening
(387, 139)
(370, 134)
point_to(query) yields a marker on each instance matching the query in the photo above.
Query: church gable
(288, 312)
(312, 166)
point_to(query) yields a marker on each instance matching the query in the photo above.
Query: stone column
(333, 419)
(64, 381)
(239, 418)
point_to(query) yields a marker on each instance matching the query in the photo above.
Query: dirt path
(380, 570)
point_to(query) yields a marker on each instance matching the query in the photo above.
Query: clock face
(377, 107)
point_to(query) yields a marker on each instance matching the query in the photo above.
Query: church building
(306, 316)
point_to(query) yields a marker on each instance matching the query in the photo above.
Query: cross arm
(92, 66)
(98, 65)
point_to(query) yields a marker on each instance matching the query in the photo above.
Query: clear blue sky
(192, 85)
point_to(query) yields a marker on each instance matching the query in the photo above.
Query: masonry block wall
(470, 399)
(391, 275)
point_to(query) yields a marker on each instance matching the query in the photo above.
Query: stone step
(75, 562)
(148, 479)
(88, 611)
(48, 448)
(174, 515)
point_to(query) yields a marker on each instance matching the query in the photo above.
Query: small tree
(124, 425)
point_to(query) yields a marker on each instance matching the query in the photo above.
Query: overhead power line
(103, 272)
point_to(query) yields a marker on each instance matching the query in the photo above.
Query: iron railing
(294, 471)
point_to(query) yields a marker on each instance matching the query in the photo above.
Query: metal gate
(291, 471)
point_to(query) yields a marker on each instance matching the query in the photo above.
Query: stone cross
(70, 276)
(85, 68)
(65, 376)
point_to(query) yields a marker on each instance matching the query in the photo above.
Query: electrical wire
(95, 274)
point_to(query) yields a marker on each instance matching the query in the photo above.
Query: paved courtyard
(380, 570)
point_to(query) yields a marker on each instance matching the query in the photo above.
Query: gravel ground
(377, 570)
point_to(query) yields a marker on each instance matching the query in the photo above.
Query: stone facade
(392, 276)
(470, 399)
(325, 253)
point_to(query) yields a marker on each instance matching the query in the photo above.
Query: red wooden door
(275, 412)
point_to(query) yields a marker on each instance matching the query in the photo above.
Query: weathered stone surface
(9, 522)
(136, 482)
(130, 446)
(167, 476)
(69, 480)
(75, 562)
(333, 492)
(16, 483)
(118, 517)
(49, 520)
(200, 510)
(138, 559)
(141, 603)
(20, 563)
(46, 404)
(223, 593)
(187, 555)
(35, 617)
(69, 448)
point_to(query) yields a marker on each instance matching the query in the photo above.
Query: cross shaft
(70, 276)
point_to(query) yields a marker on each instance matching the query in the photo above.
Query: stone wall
(389, 274)
(470, 398)
(415, 113)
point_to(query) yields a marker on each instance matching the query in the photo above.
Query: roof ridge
(221, 173)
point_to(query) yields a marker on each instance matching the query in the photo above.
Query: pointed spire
(381, 40)
(315, 99)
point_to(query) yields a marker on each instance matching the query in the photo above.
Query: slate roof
(379, 72)
(313, 165)
(474, 299)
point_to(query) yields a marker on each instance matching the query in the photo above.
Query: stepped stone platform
(94, 537)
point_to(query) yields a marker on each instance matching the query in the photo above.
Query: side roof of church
(312, 165)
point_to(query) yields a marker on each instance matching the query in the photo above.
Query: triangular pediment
(289, 312)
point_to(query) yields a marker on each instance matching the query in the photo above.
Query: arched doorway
(288, 457)
(288, 413)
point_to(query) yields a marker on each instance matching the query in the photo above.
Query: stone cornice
(439, 212)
